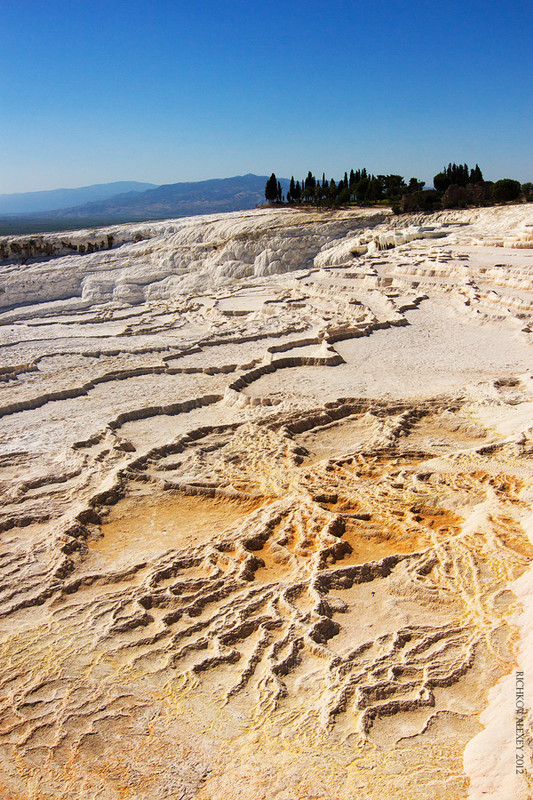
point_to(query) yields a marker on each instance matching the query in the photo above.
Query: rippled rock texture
(266, 521)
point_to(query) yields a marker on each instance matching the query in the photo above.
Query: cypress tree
(374, 190)
(271, 188)
(310, 186)
(292, 191)
(476, 176)
(361, 189)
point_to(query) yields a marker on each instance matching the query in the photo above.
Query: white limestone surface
(265, 529)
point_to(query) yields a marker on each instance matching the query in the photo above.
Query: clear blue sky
(176, 90)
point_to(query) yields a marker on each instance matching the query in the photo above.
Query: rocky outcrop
(24, 249)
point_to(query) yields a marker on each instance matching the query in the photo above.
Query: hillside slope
(179, 199)
(54, 199)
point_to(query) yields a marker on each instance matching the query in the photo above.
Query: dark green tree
(527, 191)
(441, 181)
(374, 191)
(505, 190)
(271, 188)
(330, 193)
(458, 175)
(415, 185)
(476, 176)
(361, 189)
(292, 191)
(309, 187)
(393, 186)
(344, 196)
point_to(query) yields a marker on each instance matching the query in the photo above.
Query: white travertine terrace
(267, 490)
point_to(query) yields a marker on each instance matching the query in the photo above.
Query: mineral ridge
(266, 523)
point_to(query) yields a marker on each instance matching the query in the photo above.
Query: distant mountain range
(32, 202)
(162, 202)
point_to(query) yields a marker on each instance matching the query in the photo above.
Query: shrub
(426, 200)
(527, 191)
(455, 197)
(480, 194)
(505, 190)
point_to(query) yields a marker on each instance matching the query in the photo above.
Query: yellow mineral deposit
(266, 518)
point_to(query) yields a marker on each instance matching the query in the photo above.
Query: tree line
(356, 187)
(455, 186)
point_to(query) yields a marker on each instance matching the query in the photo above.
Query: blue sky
(171, 90)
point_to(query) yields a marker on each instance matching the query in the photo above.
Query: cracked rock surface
(266, 525)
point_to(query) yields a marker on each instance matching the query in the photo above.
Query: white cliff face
(183, 256)
(266, 508)
(160, 260)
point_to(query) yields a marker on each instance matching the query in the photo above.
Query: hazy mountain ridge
(214, 196)
(55, 199)
(237, 193)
